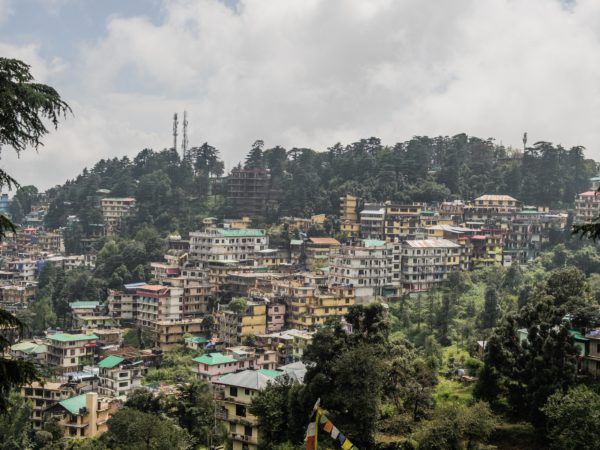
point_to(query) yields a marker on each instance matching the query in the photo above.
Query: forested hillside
(172, 195)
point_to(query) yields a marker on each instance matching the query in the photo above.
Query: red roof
(588, 194)
(479, 236)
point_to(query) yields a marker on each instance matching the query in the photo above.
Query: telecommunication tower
(175, 124)
(184, 143)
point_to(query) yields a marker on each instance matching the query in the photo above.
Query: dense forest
(174, 194)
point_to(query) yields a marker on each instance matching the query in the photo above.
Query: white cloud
(313, 72)
(6, 10)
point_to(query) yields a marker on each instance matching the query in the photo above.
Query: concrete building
(225, 244)
(234, 393)
(499, 203)
(234, 326)
(587, 207)
(372, 268)
(85, 415)
(70, 352)
(119, 376)
(318, 250)
(113, 210)
(249, 191)
(426, 263)
(349, 216)
(402, 221)
(44, 395)
(372, 221)
(310, 304)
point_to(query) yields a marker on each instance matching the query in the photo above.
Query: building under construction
(249, 191)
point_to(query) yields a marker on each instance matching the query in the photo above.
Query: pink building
(275, 317)
(212, 365)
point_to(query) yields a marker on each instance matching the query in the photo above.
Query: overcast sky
(304, 73)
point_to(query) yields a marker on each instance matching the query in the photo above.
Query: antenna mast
(175, 124)
(184, 144)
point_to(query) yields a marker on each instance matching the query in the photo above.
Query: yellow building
(318, 250)
(309, 305)
(401, 220)
(234, 393)
(85, 415)
(349, 216)
(500, 203)
(44, 395)
(234, 326)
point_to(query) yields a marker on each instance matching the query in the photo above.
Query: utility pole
(184, 143)
(175, 124)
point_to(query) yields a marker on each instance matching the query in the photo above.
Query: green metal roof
(373, 242)
(65, 337)
(73, 404)
(213, 359)
(578, 336)
(271, 373)
(110, 362)
(196, 339)
(83, 305)
(243, 232)
(29, 348)
(296, 242)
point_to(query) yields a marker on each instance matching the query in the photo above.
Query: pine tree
(491, 312)
(255, 159)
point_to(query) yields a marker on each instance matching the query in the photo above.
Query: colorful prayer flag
(328, 426)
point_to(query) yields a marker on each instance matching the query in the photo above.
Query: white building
(426, 263)
(119, 376)
(226, 245)
(372, 268)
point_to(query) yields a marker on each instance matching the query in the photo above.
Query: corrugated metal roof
(250, 379)
(432, 243)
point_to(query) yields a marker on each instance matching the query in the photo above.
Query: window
(232, 427)
(247, 430)
(233, 391)
(240, 410)
(247, 392)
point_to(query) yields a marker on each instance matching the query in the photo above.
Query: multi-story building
(114, 209)
(372, 221)
(487, 249)
(20, 294)
(234, 393)
(349, 216)
(426, 263)
(211, 366)
(587, 207)
(123, 305)
(226, 244)
(401, 221)
(275, 317)
(373, 269)
(233, 326)
(249, 191)
(85, 415)
(499, 203)
(318, 250)
(42, 396)
(309, 304)
(50, 242)
(593, 354)
(119, 376)
(70, 352)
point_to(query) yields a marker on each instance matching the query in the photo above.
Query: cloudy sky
(305, 73)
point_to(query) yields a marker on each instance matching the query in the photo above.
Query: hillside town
(244, 309)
